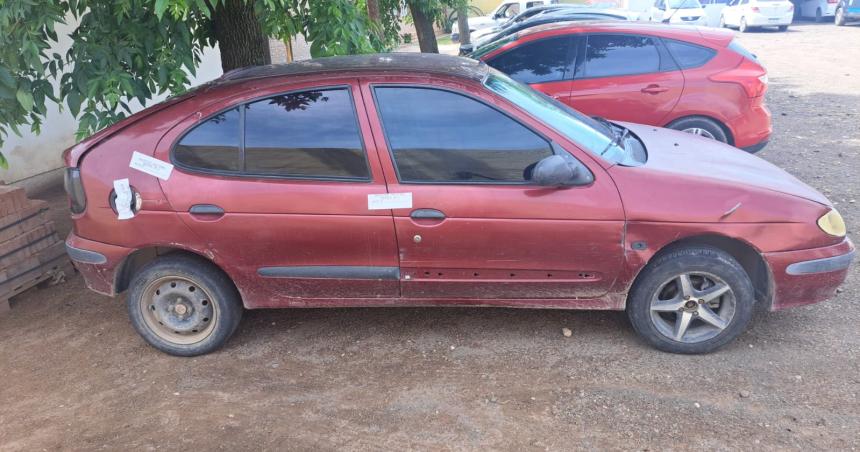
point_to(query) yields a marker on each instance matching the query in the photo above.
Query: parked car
(746, 14)
(563, 15)
(504, 12)
(847, 11)
(697, 80)
(524, 15)
(688, 12)
(430, 180)
(817, 9)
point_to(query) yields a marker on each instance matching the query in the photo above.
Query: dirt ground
(74, 375)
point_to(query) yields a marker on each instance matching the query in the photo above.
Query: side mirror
(560, 171)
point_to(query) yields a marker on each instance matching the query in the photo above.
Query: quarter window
(437, 136)
(614, 55)
(689, 55)
(541, 61)
(310, 134)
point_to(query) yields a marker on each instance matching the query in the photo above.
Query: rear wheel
(819, 17)
(743, 28)
(783, 28)
(701, 126)
(722, 22)
(184, 306)
(840, 17)
(691, 300)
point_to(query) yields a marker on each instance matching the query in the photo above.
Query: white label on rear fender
(389, 201)
(123, 199)
(151, 165)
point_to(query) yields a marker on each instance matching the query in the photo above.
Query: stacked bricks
(31, 252)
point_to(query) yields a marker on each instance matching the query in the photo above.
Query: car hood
(481, 22)
(681, 155)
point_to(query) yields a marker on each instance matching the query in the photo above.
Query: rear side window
(213, 145)
(310, 134)
(437, 136)
(541, 61)
(613, 55)
(689, 55)
(739, 49)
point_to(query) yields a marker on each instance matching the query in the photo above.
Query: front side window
(309, 134)
(543, 61)
(437, 136)
(614, 55)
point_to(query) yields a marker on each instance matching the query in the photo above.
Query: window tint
(537, 62)
(306, 134)
(611, 55)
(212, 145)
(439, 136)
(689, 55)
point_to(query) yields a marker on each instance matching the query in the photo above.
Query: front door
(476, 227)
(277, 190)
(626, 78)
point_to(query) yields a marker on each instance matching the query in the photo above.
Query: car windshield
(684, 4)
(591, 135)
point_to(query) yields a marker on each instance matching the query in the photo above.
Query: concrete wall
(35, 160)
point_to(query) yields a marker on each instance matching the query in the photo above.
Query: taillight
(748, 74)
(75, 190)
(755, 9)
(832, 1)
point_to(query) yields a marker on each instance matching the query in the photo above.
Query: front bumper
(98, 262)
(808, 276)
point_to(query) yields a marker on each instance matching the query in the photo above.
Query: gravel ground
(74, 375)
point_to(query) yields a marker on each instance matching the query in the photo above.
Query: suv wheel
(701, 126)
(691, 300)
(184, 306)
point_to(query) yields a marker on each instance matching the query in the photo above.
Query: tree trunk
(463, 24)
(423, 28)
(373, 11)
(240, 35)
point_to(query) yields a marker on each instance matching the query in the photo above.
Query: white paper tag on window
(150, 165)
(389, 201)
(123, 199)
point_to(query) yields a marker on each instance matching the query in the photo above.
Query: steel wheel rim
(700, 132)
(178, 310)
(692, 307)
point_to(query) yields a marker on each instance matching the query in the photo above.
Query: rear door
(546, 64)
(277, 188)
(626, 77)
(475, 227)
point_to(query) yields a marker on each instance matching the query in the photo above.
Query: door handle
(654, 89)
(427, 214)
(206, 209)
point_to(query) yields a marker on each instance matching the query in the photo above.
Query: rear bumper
(98, 262)
(752, 128)
(756, 147)
(760, 20)
(808, 276)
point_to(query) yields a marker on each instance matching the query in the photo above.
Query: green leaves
(25, 98)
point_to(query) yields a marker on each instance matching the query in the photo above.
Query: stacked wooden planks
(31, 252)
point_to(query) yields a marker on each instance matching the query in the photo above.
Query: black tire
(819, 17)
(783, 28)
(722, 21)
(208, 281)
(743, 28)
(840, 17)
(703, 259)
(691, 123)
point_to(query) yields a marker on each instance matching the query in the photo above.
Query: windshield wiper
(617, 137)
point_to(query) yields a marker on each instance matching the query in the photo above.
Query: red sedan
(697, 80)
(359, 181)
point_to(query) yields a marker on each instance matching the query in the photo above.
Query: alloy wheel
(700, 131)
(693, 307)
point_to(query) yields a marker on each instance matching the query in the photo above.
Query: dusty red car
(694, 79)
(349, 182)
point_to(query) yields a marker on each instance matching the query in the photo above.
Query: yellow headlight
(832, 223)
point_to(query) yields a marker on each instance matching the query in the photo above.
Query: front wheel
(184, 306)
(840, 17)
(691, 300)
(743, 28)
(722, 22)
(819, 17)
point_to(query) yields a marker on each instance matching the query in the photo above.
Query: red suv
(357, 181)
(692, 79)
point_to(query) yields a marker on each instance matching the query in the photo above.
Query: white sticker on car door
(389, 201)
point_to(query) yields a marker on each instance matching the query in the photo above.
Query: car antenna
(669, 20)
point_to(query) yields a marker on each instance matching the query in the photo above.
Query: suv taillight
(748, 74)
(75, 190)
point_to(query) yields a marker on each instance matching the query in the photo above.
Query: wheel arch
(729, 134)
(132, 263)
(746, 254)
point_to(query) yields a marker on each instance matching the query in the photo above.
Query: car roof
(379, 63)
(621, 26)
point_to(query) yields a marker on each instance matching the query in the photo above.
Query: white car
(746, 14)
(818, 9)
(687, 12)
(502, 13)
